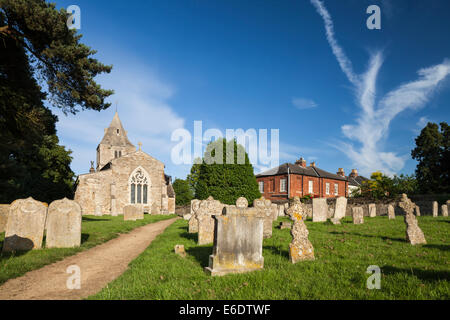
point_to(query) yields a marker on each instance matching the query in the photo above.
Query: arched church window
(139, 187)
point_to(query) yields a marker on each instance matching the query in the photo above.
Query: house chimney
(354, 173)
(301, 162)
(341, 172)
(313, 164)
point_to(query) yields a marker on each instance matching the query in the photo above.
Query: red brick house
(289, 180)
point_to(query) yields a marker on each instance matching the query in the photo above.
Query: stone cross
(414, 234)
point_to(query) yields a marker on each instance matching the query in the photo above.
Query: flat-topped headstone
(320, 210)
(413, 232)
(358, 215)
(133, 212)
(300, 249)
(63, 224)
(435, 209)
(341, 207)
(444, 210)
(4, 211)
(372, 210)
(391, 212)
(238, 242)
(264, 208)
(25, 226)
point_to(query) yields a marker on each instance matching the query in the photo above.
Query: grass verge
(95, 231)
(343, 254)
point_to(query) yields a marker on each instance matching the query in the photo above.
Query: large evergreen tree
(183, 192)
(433, 154)
(37, 48)
(226, 181)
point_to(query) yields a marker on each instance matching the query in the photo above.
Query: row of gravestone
(27, 219)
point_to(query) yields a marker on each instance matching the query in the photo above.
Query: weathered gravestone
(193, 224)
(435, 209)
(300, 249)
(444, 210)
(335, 221)
(133, 212)
(274, 210)
(417, 208)
(25, 226)
(179, 250)
(238, 241)
(264, 209)
(372, 210)
(4, 211)
(206, 222)
(341, 207)
(98, 210)
(391, 212)
(63, 224)
(281, 210)
(320, 210)
(358, 215)
(413, 233)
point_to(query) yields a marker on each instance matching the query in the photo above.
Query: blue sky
(269, 65)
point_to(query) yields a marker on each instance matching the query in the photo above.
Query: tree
(382, 186)
(183, 192)
(37, 48)
(226, 181)
(433, 154)
(192, 178)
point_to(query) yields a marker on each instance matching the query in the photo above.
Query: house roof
(297, 169)
(356, 181)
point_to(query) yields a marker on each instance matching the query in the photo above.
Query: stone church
(124, 176)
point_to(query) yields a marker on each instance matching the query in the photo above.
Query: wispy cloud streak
(372, 124)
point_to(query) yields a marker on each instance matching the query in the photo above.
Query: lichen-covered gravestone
(133, 212)
(435, 209)
(372, 210)
(264, 209)
(206, 223)
(413, 232)
(358, 215)
(238, 241)
(25, 226)
(444, 210)
(391, 212)
(320, 210)
(341, 207)
(63, 224)
(300, 249)
(4, 211)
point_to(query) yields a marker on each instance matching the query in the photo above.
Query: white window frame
(336, 189)
(327, 188)
(283, 185)
(261, 186)
(311, 187)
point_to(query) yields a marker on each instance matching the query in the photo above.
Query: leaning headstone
(263, 207)
(358, 215)
(417, 208)
(320, 210)
(341, 207)
(372, 210)
(435, 209)
(391, 212)
(300, 249)
(413, 232)
(444, 210)
(25, 226)
(4, 211)
(63, 224)
(238, 242)
(179, 250)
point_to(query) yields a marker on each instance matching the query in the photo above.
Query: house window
(327, 188)
(139, 187)
(311, 187)
(272, 185)
(118, 131)
(283, 185)
(261, 186)
(336, 189)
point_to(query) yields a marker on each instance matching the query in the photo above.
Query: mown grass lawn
(343, 254)
(95, 230)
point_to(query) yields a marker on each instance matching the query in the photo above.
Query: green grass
(95, 230)
(343, 254)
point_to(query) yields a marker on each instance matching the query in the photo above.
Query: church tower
(114, 144)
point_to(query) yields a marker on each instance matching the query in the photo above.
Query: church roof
(115, 134)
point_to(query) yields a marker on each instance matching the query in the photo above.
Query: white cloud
(302, 103)
(372, 124)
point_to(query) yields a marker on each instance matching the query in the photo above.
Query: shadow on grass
(190, 236)
(201, 254)
(94, 219)
(424, 275)
(369, 236)
(442, 247)
(84, 237)
(277, 251)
